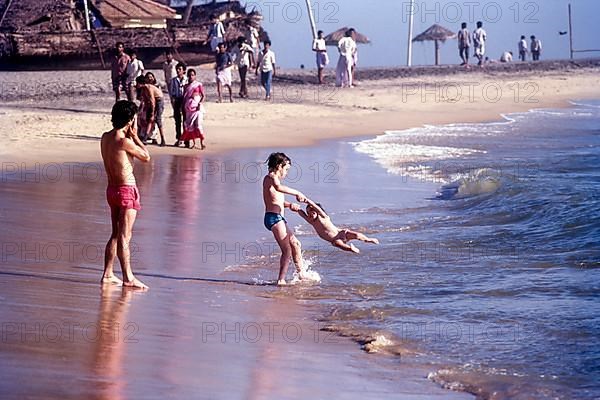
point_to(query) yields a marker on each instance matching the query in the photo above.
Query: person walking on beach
(464, 44)
(153, 100)
(193, 111)
(216, 33)
(118, 72)
(479, 38)
(346, 48)
(253, 38)
(245, 61)
(119, 147)
(523, 48)
(176, 90)
(135, 68)
(274, 198)
(223, 71)
(536, 48)
(266, 64)
(320, 48)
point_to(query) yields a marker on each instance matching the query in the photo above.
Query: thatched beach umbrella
(436, 33)
(334, 37)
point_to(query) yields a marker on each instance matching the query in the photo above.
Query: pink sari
(193, 111)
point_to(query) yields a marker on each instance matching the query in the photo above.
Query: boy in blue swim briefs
(274, 197)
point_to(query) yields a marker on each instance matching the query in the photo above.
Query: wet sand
(200, 332)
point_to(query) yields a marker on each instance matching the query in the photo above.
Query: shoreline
(48, 128)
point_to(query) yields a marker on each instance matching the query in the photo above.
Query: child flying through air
(316, 216)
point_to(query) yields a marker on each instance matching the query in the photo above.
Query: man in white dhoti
(347, 49)
(479, 38)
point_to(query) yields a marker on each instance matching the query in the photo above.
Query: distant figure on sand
(266, 64)
(119, 147)
(154, 104)
(320, 48)
(316, 216)
(223, 71)
(176, 90)
(464, 44)
(536, 48)
(245, 61)
(506, 57)
(479, 38)
(118, 72)
(193, 111)
(135, 68)
(169, 67)
(275, 204)
(216, 33)
(347, 49)
(522, 48)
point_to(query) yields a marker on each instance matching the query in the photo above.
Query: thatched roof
(119, 12)
(334, 37)
(41, 15)
(435, 32)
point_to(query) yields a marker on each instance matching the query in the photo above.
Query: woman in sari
(193, 97)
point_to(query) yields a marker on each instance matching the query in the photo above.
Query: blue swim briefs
(271, 219)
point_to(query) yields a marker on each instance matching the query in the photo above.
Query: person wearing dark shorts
(118, 72)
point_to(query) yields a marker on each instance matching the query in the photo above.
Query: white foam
(306, 275)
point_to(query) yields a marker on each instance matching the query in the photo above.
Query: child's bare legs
(353, 235)
(230, 94)
(339, 243)
(282, 236)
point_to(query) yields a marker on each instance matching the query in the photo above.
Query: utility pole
(87, 15)
(410, 33)
(312, 19)
(570, 33)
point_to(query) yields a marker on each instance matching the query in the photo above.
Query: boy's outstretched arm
(319, 210)
(288, 190)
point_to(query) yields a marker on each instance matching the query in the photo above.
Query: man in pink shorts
(119, 147)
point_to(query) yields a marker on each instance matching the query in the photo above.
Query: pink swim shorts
(123, 196)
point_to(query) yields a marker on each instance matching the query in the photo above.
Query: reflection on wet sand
(114, 334)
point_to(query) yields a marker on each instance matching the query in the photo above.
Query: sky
(385, 22)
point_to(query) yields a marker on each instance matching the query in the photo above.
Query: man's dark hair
(267, 42)
(119, 44)
(522, 36)
(122, 113)
(464, 25)
(532, 36)
(241, 39)
(181, 65)
(212, 16)
(479, 24)
(349, 32)
(168, 53)
(277, 159)
(318, 33)
(141, 80)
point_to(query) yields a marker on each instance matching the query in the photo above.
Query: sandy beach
(195, 334)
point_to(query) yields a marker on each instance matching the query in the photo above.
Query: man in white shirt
(216, 33)
(347, 49)
(479, 38)
(266, 64)
(134, 69)
(522, 48)
(169, 67)
(320, 48)
(244, 60)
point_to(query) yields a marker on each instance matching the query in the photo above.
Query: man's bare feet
(111, 279)
(135, 283)
(281, 282)
(372, 240)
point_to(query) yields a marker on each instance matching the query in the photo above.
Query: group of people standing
(186, 95)
(478, 39)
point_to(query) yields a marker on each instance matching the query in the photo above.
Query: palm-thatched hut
(437, 34)
(334, 37)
